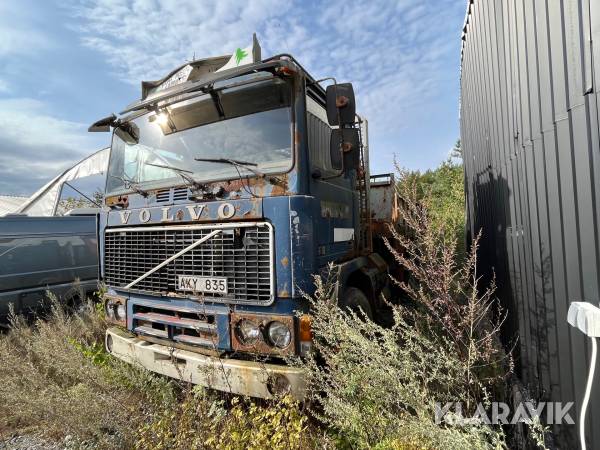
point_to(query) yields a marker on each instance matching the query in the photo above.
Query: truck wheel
(354, 299)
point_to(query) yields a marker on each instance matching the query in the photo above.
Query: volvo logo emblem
(124, 216)
(171, 214)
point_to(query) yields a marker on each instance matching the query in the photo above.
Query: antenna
(287, 46)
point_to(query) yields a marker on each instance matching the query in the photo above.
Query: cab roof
(201, 74)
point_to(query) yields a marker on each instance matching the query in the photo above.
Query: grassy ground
(57, 381)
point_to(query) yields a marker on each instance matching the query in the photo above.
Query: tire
(354, 300)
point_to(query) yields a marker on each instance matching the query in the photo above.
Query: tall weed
(376, 387)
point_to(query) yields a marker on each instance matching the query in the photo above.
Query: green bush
(202, 420)
(375, 387)
(441, 190)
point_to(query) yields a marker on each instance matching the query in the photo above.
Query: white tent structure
(9, 204)
(45, 201)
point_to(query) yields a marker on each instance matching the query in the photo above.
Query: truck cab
(227, 191)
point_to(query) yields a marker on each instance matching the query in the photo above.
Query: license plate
(213, 285)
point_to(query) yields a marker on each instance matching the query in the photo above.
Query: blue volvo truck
(227, 190)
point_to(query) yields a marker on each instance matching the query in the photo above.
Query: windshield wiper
(183, 173)
(234, 162)
(130, 184)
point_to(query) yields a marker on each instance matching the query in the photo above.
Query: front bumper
(236, 376)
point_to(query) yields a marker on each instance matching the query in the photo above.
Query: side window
(319, 133)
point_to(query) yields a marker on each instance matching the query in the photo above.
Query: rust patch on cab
(279, 185)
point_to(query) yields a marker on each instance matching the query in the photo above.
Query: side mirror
(103, 125)
(127, 131)
(344, 144)
(340, 100)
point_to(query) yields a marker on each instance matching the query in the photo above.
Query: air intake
(163, 196)
(180, 194)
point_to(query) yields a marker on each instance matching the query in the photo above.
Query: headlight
(109, 309)
(115, 309)
(247, 331)
(279, 334)
(120, 312)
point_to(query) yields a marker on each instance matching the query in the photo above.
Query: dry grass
(57, 381)
(53, 381)
(375, 390)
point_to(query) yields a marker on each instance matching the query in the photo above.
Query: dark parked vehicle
(41, 254)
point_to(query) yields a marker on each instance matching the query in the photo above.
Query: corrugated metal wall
(529, 128)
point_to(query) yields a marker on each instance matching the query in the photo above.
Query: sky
(66, 63)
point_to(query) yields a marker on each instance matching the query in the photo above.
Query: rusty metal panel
(384, 199)
(529, 130)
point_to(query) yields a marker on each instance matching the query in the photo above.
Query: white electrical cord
(588, 390)
(585, 316)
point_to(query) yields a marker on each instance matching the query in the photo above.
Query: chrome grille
(242, 253)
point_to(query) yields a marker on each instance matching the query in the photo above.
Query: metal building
(530, 72)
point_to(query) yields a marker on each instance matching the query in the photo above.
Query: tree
(456, 151)
(67, 204)
(442, 189)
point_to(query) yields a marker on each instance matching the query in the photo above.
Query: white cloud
(25, 122)
(35, 146)
(401, 55)
(21, 29)
(145, 39)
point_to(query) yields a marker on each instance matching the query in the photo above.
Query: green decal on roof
(239, 55)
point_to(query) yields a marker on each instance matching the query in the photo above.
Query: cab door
(337, 220)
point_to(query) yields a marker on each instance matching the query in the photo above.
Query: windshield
(250, 123)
